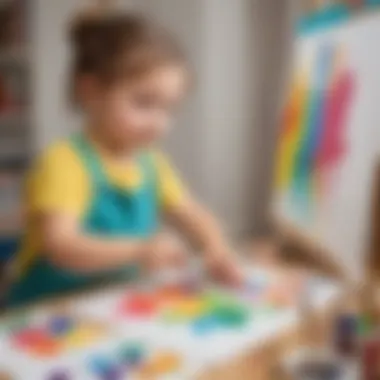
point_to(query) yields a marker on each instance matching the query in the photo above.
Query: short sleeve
(171, 188)
(58, 182)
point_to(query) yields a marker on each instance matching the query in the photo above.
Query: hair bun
(86, 27)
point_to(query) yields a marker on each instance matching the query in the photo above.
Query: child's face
(138, 112)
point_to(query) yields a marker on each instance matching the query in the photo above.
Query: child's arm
(197, 224)
(203, 230)
(71, 249)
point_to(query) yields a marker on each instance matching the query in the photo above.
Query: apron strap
(94, 165)
(149, 167)
(90, 158)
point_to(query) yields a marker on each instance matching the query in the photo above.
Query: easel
(289, 238)
(365, 297)
(374, 254)
(370, 304)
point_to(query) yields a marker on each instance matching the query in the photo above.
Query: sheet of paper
(197, 352)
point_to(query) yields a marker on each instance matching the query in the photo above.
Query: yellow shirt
(59, 182)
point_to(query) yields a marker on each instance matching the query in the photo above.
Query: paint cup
(346, 334)
(370, 359)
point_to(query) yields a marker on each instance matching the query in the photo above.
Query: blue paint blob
(205, 326)
(131, 355)
(101, 366)
(60, 325)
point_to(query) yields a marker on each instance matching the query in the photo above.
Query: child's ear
(88, 90)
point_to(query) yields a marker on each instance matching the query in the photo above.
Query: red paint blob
(140, 305)
(36, 342)
(30, 337)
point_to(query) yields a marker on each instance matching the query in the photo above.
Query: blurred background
(225, 137)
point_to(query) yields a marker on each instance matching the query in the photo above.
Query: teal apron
(113, 212)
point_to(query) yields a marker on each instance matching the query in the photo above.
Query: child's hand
(223, 265)
(164, 251)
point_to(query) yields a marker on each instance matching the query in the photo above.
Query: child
(94, 200)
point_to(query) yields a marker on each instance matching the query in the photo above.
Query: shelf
(15, 164)
(13, 56)
(11, 147)
(15, 118)
(10, 224)
(15, 134)
(14, 155)
(5, 2)
(10, 204)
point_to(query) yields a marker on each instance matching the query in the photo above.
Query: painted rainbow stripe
(312, 140)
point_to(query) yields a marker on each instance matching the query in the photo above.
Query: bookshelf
(15, 110)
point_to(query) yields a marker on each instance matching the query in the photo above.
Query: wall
(215, 136)
(52, 117)
(272, 28)
(228, 103)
